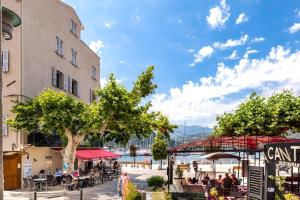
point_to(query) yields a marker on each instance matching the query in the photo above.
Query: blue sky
(209, 55)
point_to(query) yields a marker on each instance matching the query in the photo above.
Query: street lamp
(8, 20)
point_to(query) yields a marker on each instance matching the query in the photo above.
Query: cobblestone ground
(107, 191)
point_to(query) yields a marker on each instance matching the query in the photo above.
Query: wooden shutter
(4, 126)
(5, 60)
(69, 84)
(78, 89)
(54, 77)
(57, 44)
(66, 86)
(61, 47)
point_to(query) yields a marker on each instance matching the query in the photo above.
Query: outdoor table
(82, 181)
(40, 181)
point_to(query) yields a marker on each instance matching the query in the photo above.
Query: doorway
(12, 171)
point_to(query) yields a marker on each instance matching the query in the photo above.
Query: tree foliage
(118, 114)
(133, 150)
(259, 115)
(159, 148)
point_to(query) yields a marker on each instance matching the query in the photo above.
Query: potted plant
(179, 180)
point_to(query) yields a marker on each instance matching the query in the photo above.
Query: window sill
(60, 55)
(75, 65)
(74, 34)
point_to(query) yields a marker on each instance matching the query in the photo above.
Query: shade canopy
(95, 154)
(219, 155)
(91, 153)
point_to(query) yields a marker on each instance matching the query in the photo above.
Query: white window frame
(59, 46)
(94, 72)
(74, 57)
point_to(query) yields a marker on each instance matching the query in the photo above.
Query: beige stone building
(46, 52)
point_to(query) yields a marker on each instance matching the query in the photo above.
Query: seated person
(58, 175)
(190, 180)
(42, 174)
(75, 174)
(58, 172)
(235, 181)
(92, 172)
(205, 179)
(227, 184)
(219, 180)
(116, 165)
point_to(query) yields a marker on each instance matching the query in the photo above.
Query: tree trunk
(133, 161)
(161, 165)
(69, 151)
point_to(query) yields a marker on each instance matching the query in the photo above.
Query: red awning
(95, 153)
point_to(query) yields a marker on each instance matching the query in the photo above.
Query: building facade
(46, 52)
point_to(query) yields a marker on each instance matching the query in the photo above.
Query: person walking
(125, 183)
(120, 184)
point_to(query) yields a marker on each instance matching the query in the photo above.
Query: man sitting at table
(227, 184)
(58, 175)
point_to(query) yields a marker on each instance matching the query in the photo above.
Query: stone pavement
(107, 191)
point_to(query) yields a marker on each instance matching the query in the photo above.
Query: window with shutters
(4, 125)
(59, 46)
(73, 27)
(94, 72)
(75, 88)
(74, 57)
(5, 59)
(59, 80)
(93, 97)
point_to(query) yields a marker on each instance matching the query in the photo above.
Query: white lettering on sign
(277, 154)
(285, 154)
(271, 189)
(295, 152)
(270, 149)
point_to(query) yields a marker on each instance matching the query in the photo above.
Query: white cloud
(204, 52)
(109, 24)
(218, 15)
(241, 18)
(258, 39)
(103, 82)
(96, 46)
(233, 56)
(136, 18)
(294, 28)
(199, 102)
(231, 43)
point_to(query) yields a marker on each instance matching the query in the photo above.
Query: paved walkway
(107, 191)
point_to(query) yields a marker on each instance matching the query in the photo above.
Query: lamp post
(8, 20)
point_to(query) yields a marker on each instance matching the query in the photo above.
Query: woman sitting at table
(75, 174)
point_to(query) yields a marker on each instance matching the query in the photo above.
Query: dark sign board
(283, 152)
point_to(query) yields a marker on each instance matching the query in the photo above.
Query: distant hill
(191, 132)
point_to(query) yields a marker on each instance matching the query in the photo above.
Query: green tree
(117, 115)
(260, 115)
(160, 148)
(132, 152)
